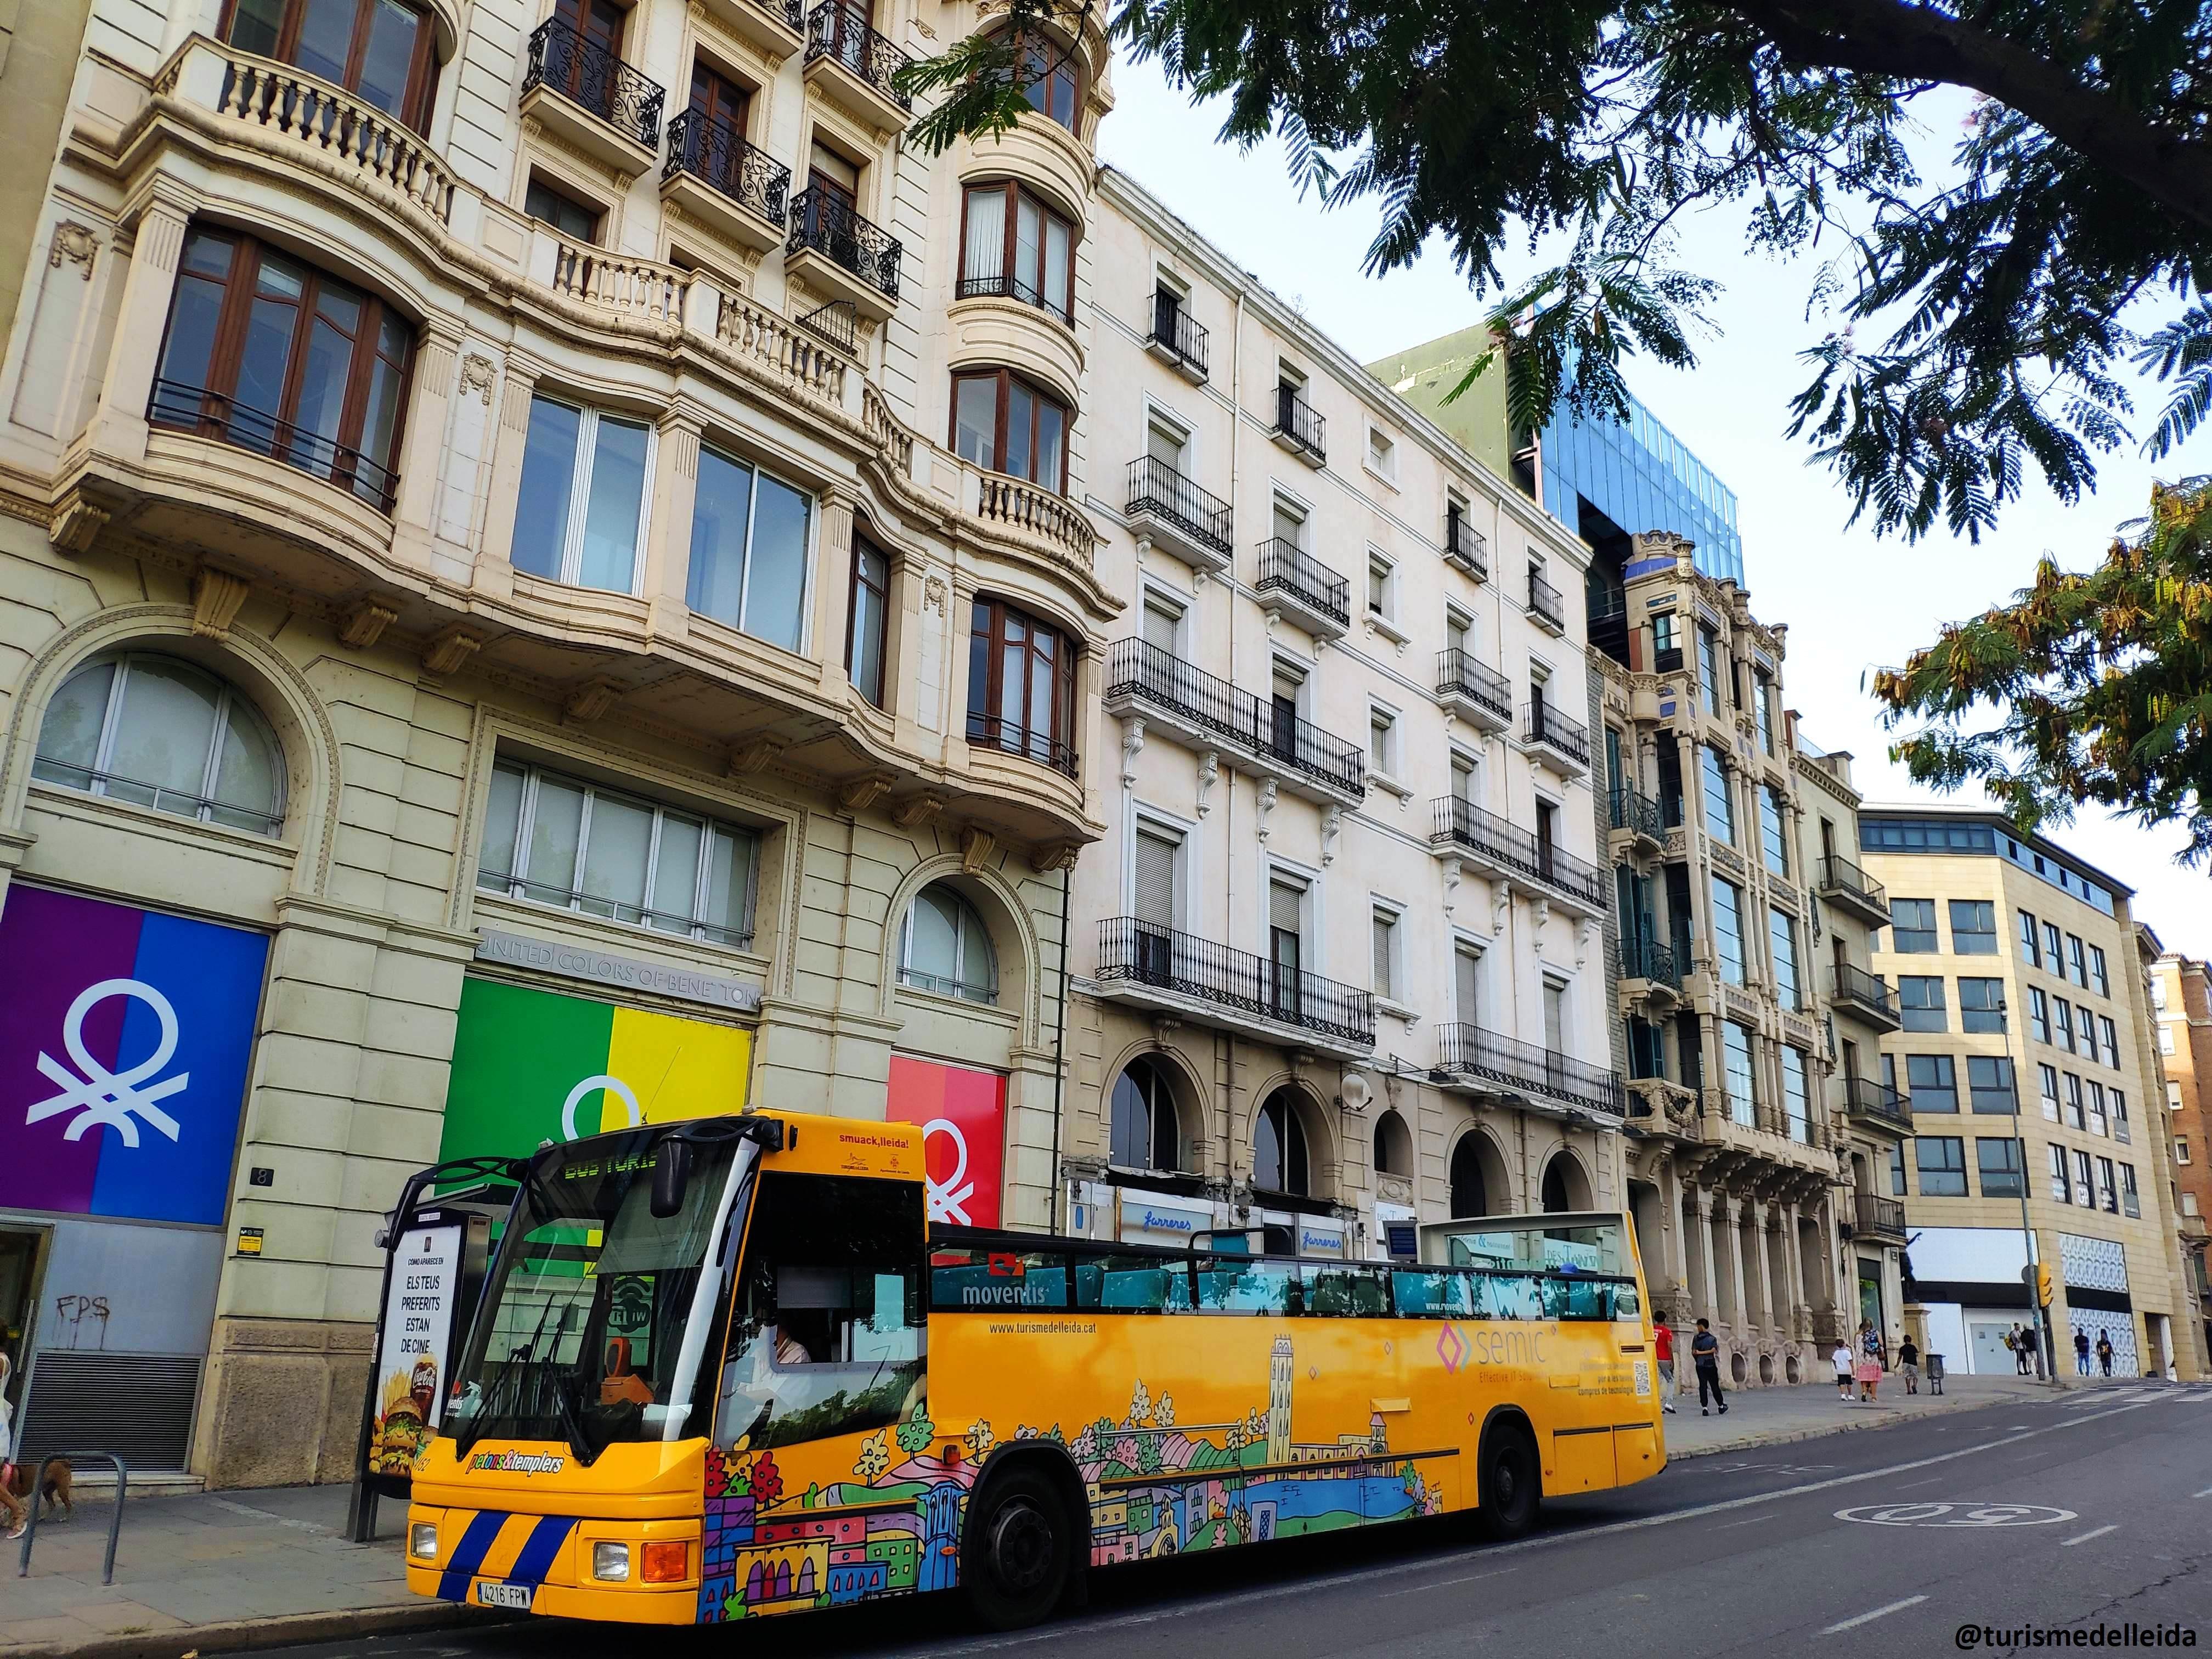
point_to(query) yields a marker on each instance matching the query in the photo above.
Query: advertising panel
(417, 1334)
(962, 1114)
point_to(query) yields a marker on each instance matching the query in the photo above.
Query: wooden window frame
(1058, 743)
(1005, 378)
(226, 355)
(1059, 59)
(1015, 190)
(421, 94)
(852, 586)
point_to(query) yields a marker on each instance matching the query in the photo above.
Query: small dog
(59, 1491)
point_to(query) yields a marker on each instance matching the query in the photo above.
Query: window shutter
(1467, 974)
(1384, 928)
(1160, 628)
(1282, 907)
(1156, 871)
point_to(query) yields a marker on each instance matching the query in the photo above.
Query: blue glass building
(1639, 476)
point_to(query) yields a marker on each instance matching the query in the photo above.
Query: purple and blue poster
(123, 1039)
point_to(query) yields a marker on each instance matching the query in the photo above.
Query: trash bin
(1934, 1366)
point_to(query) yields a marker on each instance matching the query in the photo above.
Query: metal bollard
(114, 1523)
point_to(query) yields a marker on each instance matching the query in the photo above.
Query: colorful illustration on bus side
(1157, 1487)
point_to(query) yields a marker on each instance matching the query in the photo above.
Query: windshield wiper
(510, 1369)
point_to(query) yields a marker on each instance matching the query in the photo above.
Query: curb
(1787, 1436)
(248, 1635)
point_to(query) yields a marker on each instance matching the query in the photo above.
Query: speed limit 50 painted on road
(1955, 1515)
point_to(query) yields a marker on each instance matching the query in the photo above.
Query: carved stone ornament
(754, 755)
(1266, 808)
(1132, 745)
(1209, 769)
(1055, 855)
(934, 593)
(862, 793)
(1501, 905)
(216, 596)
(78, 244)
(1332, 826)
(976, 846)
(365, 624)
(591, 700)
(477, 373)
(76, 523)
(916, 809)
(448, 651)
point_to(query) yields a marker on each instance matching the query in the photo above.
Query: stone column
(495, 571)
(665, 580)
(833, 589)
(141, 322)
(1770, 1315)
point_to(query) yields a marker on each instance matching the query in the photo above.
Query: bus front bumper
(567, 1566)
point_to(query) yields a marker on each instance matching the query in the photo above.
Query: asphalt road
(2090, 1509)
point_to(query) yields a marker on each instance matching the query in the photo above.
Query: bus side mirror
(671, 1174)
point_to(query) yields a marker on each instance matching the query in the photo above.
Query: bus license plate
(516, 1596)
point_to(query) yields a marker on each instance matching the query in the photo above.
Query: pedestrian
(1662, 1347)
(2104, 1351)
(1869, 1361)
(2024, 1350)
(1705, 1355)
(1842, 1361)
(17, 1515)
(2081, 1350)
(1908, 1361)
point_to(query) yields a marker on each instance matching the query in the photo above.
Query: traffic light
(2042, 1285)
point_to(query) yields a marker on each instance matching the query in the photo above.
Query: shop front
(125, 1038)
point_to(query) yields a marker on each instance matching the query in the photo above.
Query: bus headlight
(423, 1540)
(610, 1561)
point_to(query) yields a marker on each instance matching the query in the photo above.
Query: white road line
(2086, 1536)
(1755, 1521)
(1868, 1618)
(1929, 1482)
(1369, 1574)
(2207, 1492)
(1441, 1583)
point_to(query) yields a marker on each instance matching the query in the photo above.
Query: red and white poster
(962, 1114)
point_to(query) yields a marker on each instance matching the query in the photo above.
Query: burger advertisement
(418, 1332)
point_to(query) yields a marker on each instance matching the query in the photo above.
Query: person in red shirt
(1662, 1347)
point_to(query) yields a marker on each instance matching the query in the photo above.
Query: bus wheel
(1017, 1564)
(1511, 1484)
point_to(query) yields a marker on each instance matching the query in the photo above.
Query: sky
(1854, 601)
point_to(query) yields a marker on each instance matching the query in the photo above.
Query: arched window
(1280, 1164)
(1146, 1135)
(383, 53)
(1564, 1188)
(1394, 1145)
(947, 949)
(160, 732)
(1470, 1194)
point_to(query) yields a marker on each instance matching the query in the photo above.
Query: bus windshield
(580, 1333)
(1587, 1243)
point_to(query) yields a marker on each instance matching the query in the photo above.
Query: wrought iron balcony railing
(718, 157)
(1475, 1051)
(1139, 670)
(1544, 601)
(589, 76)
(1157, 488)
(1649, 959)
(1880, 1215)
(1464, 545)
(1863, 1098)
(843, 34)
(1546, 724)
(1629, 808)
(1842, 875)
(1143, 953)
(1297, 421)
(824, 223)
(1857, 985)
(1287, 568)
(212, 415)
(1465, 824)
(1174, 327)
(1460, 673)
(1012, 737)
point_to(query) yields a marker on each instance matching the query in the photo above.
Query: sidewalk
(1776, 1416)
(222, 1570)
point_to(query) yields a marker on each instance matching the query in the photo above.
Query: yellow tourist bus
(723, 1368)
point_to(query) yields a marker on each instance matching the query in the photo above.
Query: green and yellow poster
(531, 1066)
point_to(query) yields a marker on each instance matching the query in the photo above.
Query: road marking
(2086, 1536)
(1441, 1583)
(1755, 1521)
(1369, 1574)
(1929, 1482)
(1868, 1618)
(2207, 1492)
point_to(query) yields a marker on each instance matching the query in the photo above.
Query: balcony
(1312, 595)
(1299, 429)
(732, 187)
(1470, 1055)
(1011, 737)
(1176, 339)
(1209, 714)
(1880, 1218)
(1847, 887)
(210, 414)
(1462, 830)
(1631, 813)
(1473, 690)
(1177, 516)
(1860, 996)
(586, 96)
(1563, 742)
(854, 67)
(776, 26)
(841, 254)
(1648, 973)
(1156, 968)
(1874, 1105)
(1465, 546)
(1545, 608)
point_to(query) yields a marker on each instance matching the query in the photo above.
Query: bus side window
(1132, 1283)
(1226, 1284)
(1507, 1296)
(1626, 1305)
(1346, 1292)
(966, 1280)
(1435, 1293)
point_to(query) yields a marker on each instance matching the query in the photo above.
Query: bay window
(1012, 245)
(581, 520)
(1049, 80)
(266, 352)
(867, 627)
(1003, 423)
(751, 539)
(1021, 686)
(381, 51)
(559, 841)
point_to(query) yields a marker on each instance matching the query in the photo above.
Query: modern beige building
(1742, 915)
(2181, 1015)
(2038, 1109)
